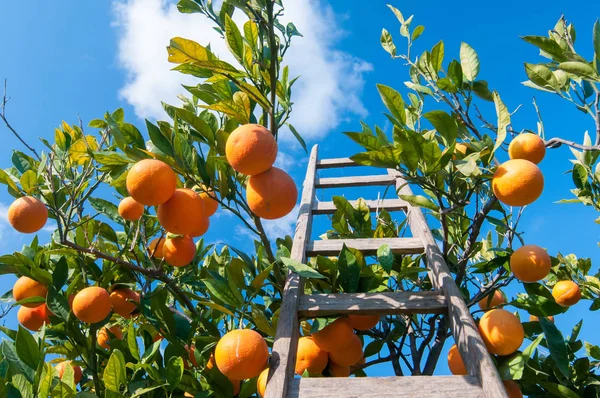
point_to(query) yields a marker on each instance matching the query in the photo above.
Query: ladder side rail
(477, 359)
(283, 358)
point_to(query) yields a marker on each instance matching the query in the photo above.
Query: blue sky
(62, 61)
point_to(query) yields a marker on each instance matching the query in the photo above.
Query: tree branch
(3, 117)
(436, 349)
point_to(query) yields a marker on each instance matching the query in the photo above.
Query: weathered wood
(335, 163)
(367, 246)
(376, 387)
(426, 302)
(374, 205)
(355, 181)
(477, 360)
(283, 357)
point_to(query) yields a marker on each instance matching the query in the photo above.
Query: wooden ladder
(483, 379)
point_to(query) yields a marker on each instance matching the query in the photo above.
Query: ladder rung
(388, 204)
(426, 302)
(355, 181)
(375, 387)
(366, 246)
(337, 162)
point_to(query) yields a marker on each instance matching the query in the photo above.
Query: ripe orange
(533, 318)
(566, 293)
(77, 373)
(501, 332)
(104, 337)
(492, 300)
(363, 322)
(310, 357)
(92, 304)
(349, 354)
(210, 204)
(179, 251)
(155, 247)
(251, 149)
(530, 263)
(33, 318)
(26, 287)
(191, 357)
(130, 210)
(124, 301)
(518, 182)
(201, 227)
(512, 389)
(455, 362)
(241, 354)
(211, 361)
(27, 214)
(271, 194)
(180, 214)
(151, 182)
(237, 384)
(261, 383)
(334, 336)
(527, 146)
(336, 370)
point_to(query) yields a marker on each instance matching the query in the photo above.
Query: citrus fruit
(104, 337)
(310, 357)
(26, 287)
(336, 370)
(180, 214)
(241, 354)
(33, 318)
(77, 373)
(201, 227)
(512, 389)
(261, 383)
(27, 214)
(334, 336)
(527, 146)
(209, 198)
(151, 182)
(363, 322)
(533, 318)
(124, 301)
(271, 194)
(501, 332)
(455, 362)
(92, 304)
(179, 251)
(349, 354)
(251, 149)
(492, 300)
(518, 182)
(530, 263)
(566, 293)
(155, 247)
(130, 210)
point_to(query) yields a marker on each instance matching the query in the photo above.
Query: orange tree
(115, 283)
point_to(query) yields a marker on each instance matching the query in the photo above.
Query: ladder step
(368, 246)
(337, 162)
(375, 387)
(426, 302)
(355, 181)
(388, 204)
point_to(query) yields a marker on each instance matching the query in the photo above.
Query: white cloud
(331, 80)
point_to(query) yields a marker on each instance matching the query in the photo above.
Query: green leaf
(547, 45)
(261, 321)
(301, 269)
(321, 323)
(444, 124)
(298, 137)
(233, 38)
(60, 273)
(541, 75)
(393, 101)
(45, 381)
(417, 32)
(397, 13)
(503, 121)
(385, 257)
(57, 303)
(455, 73)
(469, 62)
(5, 179)
(183, 151)
(420, 201)
(132, 341)
(28, 181)
(538, 305)
(14, 362)
(107, 208)
(592, 350)
(291, 30)
(183, 50)
(580, 69)
(349, 271)
(221, 290)
(579, 176)
(437, 56)
(174, 371)
(188, 7)
(556, 345)
(597, 44)
(387, 156)
(159, 140)
(251, 33)
(512, 367)
(388, 43)
(115, 374)
(480, 88)
(27, 348)
(150, 352)
(558, 390)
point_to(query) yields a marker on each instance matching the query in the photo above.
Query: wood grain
(354, 181)
(335, 163)
(367, 246)
(426, 302)
(374, 205)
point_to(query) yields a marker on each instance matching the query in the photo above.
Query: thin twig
(3, 117)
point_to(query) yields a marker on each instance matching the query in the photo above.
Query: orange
(155, 247)
(26, 287)
(180, 214)
(210, 204)
(130, 210)
(27, 214)
(237, 384)
(261, 383)
(527, 146)
(518, 182)
(566, 293)
(512, 389)
(349, 354)
(211, 361)
(77, 373)
(33, 318)
(70, 300)
(455, 362)
(530, 263)
(271, 194)
(310, 357)
(124, 301)
(179, 251)
(104, 337)
(201, 227)
(336, 370)
(151, 182)
(251, 149)
(92, 304)
(492, 300)
(501, 332)
(363, 322)
(533, 318)
(241, 354)
(334, 336)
